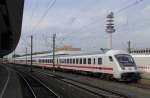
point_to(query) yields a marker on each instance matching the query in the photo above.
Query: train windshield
(125, 60)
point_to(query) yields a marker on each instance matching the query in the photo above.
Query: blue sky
(81, 23)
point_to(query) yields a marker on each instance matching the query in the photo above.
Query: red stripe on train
(75, 66)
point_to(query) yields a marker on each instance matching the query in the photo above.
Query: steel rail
(6, 83)
(112, 92)
(38, 81)
(30, 88)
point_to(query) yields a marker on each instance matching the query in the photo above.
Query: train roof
(79, 53)
(109, 52)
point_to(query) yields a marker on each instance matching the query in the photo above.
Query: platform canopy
(11, 13)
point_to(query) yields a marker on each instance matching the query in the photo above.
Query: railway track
(35, 88)
(104, 93)
(143, 83)
(6, 81)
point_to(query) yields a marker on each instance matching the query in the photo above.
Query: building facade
(140, 51)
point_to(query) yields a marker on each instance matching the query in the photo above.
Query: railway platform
(9, 83)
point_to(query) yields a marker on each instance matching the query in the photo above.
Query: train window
(60, 60)
(99, 61)
(110, 58)
(77, 61)
(84, 61)
(67, 61)
(80, 60)
(64, 61)
(57, 61)
(70, 61)
(89, 60)
(94, 61)
(45, 60)
(73, 61)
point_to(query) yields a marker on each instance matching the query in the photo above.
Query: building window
(89, 60)
(99, 61)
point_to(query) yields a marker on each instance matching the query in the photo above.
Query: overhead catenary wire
(33, 12)
(27, 43)
(51, 4)
(128, 6)
(119, 11)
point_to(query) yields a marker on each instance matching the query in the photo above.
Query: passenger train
(115, 64)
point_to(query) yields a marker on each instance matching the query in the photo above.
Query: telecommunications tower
(110, 28)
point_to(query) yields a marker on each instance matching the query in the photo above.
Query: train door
(110, 66)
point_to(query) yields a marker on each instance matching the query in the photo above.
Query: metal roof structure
(11, 13)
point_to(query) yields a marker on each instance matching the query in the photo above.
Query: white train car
(114, 63)
(143, 62)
